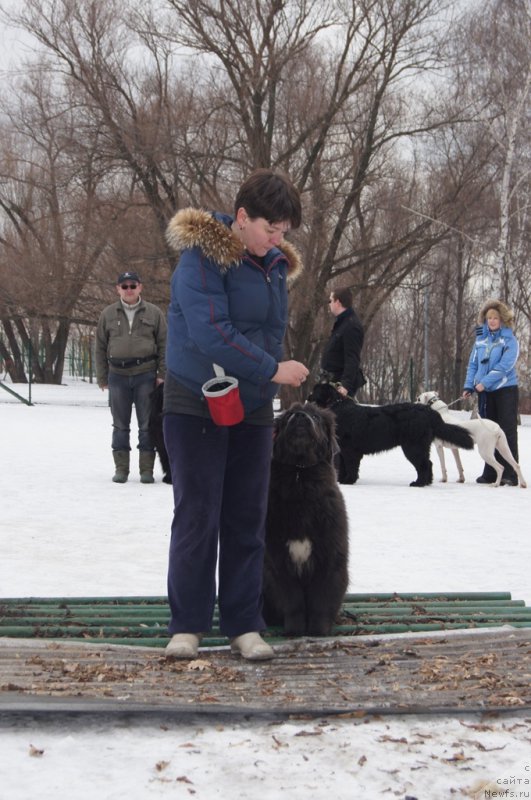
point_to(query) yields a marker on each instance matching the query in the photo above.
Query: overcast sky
(14, 43)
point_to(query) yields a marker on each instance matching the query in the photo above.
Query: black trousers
(501, 406)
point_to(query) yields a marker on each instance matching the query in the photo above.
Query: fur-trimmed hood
(506, 315)
(192, 227)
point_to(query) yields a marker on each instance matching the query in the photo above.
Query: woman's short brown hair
(270, 194)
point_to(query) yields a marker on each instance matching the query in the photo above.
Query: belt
(125, 363)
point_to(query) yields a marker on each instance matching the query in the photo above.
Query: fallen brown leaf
(477, 726)
(199, 664)
(457, 758)
(387, 738)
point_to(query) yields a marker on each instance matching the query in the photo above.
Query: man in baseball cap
(130, 362)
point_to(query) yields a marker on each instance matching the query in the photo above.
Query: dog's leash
(474, 412)
(457, 400)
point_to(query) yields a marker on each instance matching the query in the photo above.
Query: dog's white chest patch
(299, 551)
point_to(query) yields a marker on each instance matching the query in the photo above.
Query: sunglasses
(128, 285)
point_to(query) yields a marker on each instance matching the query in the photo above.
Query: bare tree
(495, 53)
(58, 208)
(319, 90)
(122, 77)
(185, 98)
(483, 160)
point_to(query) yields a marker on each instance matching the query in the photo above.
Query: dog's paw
(320, 629)
(294, 626)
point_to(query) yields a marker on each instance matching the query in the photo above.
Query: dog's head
(304, 436)
(428, 398)
(324, 395)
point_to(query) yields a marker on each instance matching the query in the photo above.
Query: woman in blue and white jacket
(492, 374)
(229, 307)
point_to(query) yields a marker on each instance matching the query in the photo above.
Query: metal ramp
(389, 654)
(142, 621)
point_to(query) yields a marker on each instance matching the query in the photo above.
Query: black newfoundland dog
(364, 430)
(306, 558)
(155, 430)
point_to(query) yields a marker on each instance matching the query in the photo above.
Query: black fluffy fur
(155, 431)
(364, 430)
(306, 508)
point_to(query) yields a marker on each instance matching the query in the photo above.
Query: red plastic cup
(223, 398)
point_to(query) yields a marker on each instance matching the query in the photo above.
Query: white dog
(486, 434)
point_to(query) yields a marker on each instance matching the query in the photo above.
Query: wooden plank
(488, 670)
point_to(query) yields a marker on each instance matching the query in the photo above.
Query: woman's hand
(480, 387)
(292, 373)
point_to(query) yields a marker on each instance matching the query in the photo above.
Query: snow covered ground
(67, 530)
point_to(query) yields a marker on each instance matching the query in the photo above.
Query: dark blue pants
(126, 391)
(502, 407)
(220, 486)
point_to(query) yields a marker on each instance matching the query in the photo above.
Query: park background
(404, 123)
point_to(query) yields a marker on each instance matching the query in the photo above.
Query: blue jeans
(220, 486)
(124, 392)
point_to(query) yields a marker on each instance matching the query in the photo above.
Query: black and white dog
(486, 433)
(155, 430)
(306, 558)
(364, 430)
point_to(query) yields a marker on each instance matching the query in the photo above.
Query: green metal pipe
(441, 604)
(406, 618)
(81, 611)
(349, 598)
(67, 621)
(430, 595)
(340, 631)
(427, 612)
(112, 609)
(142, 613)
(68, 632)
(101, 632)
(134, 599)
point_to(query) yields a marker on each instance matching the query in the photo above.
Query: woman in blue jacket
(228, 308)
(492, 374)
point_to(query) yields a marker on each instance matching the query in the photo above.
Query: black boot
(489, 475)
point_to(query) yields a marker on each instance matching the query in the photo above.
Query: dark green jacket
(117, 347)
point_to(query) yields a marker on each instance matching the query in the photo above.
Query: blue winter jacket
(226, 308)
(493, 359)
